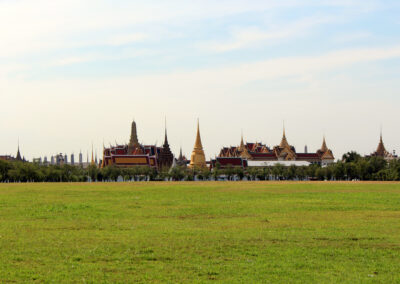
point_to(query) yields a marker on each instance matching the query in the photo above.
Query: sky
(73, 73)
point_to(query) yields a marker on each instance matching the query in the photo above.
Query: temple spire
(198, 159)
(198, 144)
(284, 142)
(166, 158)
(180, 154)
(381, 150)
(324, 148)
(241, 142)
(166, 138)
(18, 158)
(133, 142)
(92, 162)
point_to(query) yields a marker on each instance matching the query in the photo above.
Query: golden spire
(198, 144)
(324, 148)
(198, 159)
(241, 148)
(92, 162)
(284, 142)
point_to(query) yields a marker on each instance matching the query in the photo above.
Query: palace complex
(136, 154)
(258, 154)
(245, 155)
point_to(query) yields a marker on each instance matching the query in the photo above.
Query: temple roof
(324, 148)
(381, 151)
(284, 142)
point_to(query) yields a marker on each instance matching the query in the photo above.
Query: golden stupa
(198, 159)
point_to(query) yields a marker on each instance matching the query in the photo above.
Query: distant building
(284, 152)
(6, 158)
(223, 163)
(132, 155)
(182, 161)
(381, 151)
(165, 158)
(60, 159)
(10, 158)
(72, 159)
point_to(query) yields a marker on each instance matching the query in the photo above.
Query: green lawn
(199, 232)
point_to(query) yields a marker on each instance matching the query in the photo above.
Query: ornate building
(165, 158)
(198, 159)
(182, 161)
(133, 154)
(381, 151)
(136, 154)
(282, 152)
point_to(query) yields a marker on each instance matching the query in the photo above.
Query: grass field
(199, 232)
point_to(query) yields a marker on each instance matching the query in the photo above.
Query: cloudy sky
(76, 72)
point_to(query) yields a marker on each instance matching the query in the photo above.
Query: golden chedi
(198, 159)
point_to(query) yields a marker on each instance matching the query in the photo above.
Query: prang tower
(134, 142)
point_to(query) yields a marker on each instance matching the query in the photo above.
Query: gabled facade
(282, 152)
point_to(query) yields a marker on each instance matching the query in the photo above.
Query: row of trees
(352, 167)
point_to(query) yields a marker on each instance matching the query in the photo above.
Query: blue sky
(72, 73)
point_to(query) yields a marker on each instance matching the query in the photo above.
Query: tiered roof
(284, 151)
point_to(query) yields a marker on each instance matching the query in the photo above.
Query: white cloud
(350, 37)
(254, 36)
(123, 39)
(127, 53)
(41, 25)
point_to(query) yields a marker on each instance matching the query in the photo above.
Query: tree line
(351, 167)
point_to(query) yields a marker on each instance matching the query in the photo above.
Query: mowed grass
(241, 232)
